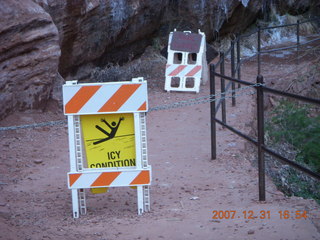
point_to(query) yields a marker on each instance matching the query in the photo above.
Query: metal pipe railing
(234, 79)
(220, 101)
(223, 90)
(260, 124)
(260, 89)
(238, 67)
(291, 95)
(233, 73)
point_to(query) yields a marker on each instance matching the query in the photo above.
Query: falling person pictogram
(113, 127)
(111, 134)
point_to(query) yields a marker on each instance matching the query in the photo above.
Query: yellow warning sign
(109, 140)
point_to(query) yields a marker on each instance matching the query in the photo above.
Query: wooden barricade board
(186, 42)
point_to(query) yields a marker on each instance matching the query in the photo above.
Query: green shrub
(294, 124)
(293, 130)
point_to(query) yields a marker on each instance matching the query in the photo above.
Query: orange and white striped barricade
(186, 63)
(107, 128)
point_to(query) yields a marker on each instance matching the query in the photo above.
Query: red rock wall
(40, 38)
(29, 56)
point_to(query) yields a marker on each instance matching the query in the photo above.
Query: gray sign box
(186, 42)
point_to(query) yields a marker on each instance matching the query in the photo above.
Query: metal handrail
(292, 163)
(278, 26)
(260, 89)
(291, 95)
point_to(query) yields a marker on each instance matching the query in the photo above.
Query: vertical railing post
(238, 59)
(298, 40)
(233, 85)
(213, 112)
(259, 49)
(260, 117)
(223, 88)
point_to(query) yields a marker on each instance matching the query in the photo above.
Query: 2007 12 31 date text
(263, 214)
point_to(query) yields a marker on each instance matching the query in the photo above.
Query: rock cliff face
(296, 7)
(96, 32)
(40, 38)
(212, 16)
(29, 56)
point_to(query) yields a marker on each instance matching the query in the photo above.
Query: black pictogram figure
(113, 130)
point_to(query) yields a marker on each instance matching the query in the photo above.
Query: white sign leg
(140, 200)
(73, 168)
(75, 203)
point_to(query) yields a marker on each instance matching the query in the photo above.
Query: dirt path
(187, 185)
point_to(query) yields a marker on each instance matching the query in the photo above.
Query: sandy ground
(188, 190)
